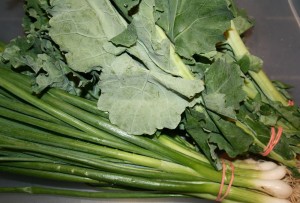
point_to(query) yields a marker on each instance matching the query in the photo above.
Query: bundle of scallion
(60, 136)
(144, 96)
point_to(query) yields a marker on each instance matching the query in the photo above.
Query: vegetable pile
(145, 98)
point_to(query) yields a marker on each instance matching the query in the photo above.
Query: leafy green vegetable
(140, 100)
(90, 23)
(98, 49)
(149, 66)
(50, 68)
(41, 54)
(234, 141)
(194, 26)
(201, 128)
(134, 95)
(262, 133)
(223, 85)
(127, 38)
(250, 62)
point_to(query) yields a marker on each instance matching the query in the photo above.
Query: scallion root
(295, 184)
(295, 197)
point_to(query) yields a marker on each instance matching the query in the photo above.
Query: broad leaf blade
(152, 43)
(224, 88)
(83, 29)
(234, 140)
(142, 101)
(194, 26)
(127, 38)
(201, 128)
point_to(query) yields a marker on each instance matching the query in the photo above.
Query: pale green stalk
(240, 50)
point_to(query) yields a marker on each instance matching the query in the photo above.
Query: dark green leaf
(250, 62)
(195, 26)
(127, 38)
(263, 132)
(201, 128)
(290, 113)
(223, 88)
(36, 18)
(234, 140)
(142, 101)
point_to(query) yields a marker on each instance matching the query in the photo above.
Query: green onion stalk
(60, 137)
(258, 85)
(260, 78)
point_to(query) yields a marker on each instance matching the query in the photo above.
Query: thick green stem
(71, 132)
(119, 179)
(86, 194)
(28, 110)
(82, 103)
(240, 50)
(140, 141)
(14, 159)
(22, 93)
(86, 162)
(93, 149)
(158, 164)
(250, 89)
(171, 143)
(64, 130)
(47, 175)
(6, 95)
